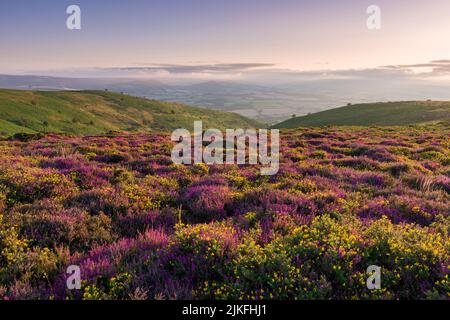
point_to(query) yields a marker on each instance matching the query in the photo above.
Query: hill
(382, 114)
(97, 112)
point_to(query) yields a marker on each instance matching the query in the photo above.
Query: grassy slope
(383, 114)
(96, 112)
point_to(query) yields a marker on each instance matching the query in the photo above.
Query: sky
(222, 37)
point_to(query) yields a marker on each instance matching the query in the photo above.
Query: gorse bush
(141, 227)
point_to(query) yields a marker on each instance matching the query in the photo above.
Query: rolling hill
(97, 112)
(381, 114)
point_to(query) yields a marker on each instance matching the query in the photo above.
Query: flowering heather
(141, 227)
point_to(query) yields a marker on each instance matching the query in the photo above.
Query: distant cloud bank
(436, 69)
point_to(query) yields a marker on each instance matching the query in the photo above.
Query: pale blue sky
(294, 34)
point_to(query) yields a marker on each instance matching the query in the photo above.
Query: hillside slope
(96, 112)
(382, 114)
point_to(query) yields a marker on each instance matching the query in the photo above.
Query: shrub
(71, 227)
(26, 137)
(206, 203)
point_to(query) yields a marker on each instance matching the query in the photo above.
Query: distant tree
(349, 104)
(294, 116)
(45, 124)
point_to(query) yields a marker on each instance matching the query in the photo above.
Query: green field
(97, 112)
(381, 114)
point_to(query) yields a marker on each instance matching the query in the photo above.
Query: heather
(141, 227)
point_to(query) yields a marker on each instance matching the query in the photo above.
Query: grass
(98, 112)
(382, 114)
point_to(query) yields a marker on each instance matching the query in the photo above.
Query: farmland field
(141, 227)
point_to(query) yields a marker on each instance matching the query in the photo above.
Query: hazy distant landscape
(269, 101)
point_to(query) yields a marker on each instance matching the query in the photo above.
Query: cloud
(246, 70)
(435, 68)
(199, 68)
(441, 61)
